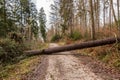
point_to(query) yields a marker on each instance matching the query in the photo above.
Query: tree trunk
(113, 11)
(104, 14)
(110, 18)
(92, 19)
(83, 45)
(118, 5)
(118, 11)
(98, 14)
(4, 11)
(85, 15)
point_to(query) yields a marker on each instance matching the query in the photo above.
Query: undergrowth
(75, 36)
(56, 38)
(107, 54)
(18, 70)
(10, 50)
(13, 63)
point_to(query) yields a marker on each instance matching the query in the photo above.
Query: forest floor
(71, 66)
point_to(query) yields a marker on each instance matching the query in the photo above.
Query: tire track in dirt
(66, 66)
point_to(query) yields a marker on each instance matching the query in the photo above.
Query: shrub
(75, 35)
(9, 50)
(2, 51)
(55, 38)
(17, 37)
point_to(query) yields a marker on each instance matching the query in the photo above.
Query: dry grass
(36, 44)
(102, 33)
(16, 71)
(108, 54)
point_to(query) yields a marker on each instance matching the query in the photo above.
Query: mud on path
(66, 66)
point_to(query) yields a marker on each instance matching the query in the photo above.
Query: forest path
(70, 66)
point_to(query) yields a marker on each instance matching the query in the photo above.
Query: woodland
(23, 27)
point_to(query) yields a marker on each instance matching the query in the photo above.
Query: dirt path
(69, 67)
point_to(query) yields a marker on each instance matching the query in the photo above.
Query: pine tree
(42, 21)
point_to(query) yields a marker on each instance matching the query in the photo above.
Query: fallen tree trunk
(70, 47)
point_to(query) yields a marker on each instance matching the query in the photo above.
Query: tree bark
(113, 11)
(118, 5)
(104, 13)
(4, 11)
(71, 47)
(98, 14)
(110, 18)
(92, 19)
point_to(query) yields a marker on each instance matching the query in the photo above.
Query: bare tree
(98, 13)
(104, 15)
(113, 12)
(92, 19)
(67, 15)
(110, 17)
(118, 15)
